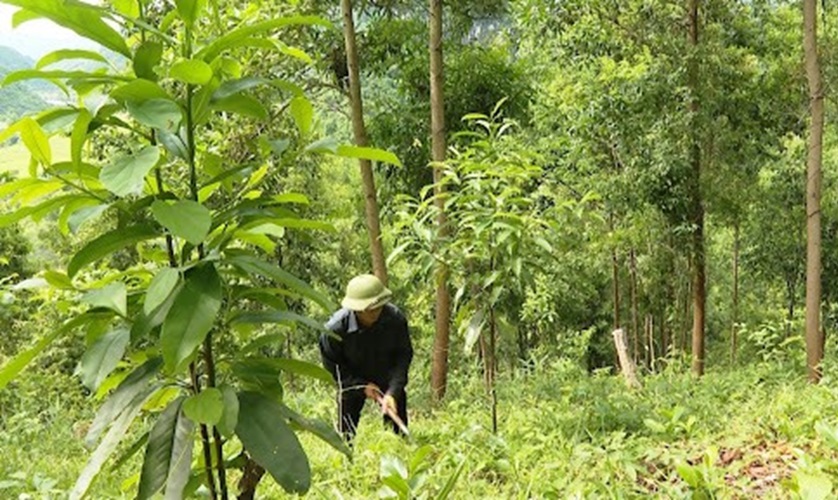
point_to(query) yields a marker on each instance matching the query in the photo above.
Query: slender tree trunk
(360, 131)
(652, 354)
(791, 298)
(615, 277)
(734, 320)
(439, 363)
(633, 291)
(492, 367)
(697, 208)
(814, 342)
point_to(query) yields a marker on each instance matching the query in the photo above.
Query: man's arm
(404, 355)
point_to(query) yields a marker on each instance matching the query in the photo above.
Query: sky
(36, 38)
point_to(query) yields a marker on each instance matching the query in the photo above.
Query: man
(368, 353)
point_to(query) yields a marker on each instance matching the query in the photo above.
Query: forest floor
(754, 431)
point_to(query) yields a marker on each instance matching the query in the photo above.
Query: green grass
(15, 158)
(752, 432)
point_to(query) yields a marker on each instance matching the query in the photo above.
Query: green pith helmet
(365, 292)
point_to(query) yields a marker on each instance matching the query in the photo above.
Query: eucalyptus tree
(165, 328)
(379, 265)
(814, 340)
(442, 333)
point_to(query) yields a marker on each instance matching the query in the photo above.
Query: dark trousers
(350, 404)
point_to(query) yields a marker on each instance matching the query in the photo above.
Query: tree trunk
(635, 334)
(615, 277)
(791, 298)
(492, 368)
(359, 130)
(697, 208)
(735, 313)
(814, 342)
(439, 363)
(626, 363)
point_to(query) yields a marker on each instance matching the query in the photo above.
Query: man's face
(369, 317)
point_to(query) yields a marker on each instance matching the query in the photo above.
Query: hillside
(23, 97)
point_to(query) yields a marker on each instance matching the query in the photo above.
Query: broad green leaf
(161, 286)
(146, 58)
(374, 154)
(112, 296)
(139, 90)
(185, 219)
(79, 135)
(817, 486)
(241, 104)
(15, 365)
(56, 119)
(85, 21)
(58, 280)
(97, 77)
(118, 430)
(295, 52)
(191, 71)
(277, 316)
(144, 322)
(230, 416)
(174, 143)
(206, 407)
(321, 429)
(292, 198)
(295, 223)
(128, 8)
(36, 141)
(168, 455)
(108, 243)
(161, 114)
(82, 215)
(324, 145)
(254, 265)
(71, 208)
(271, 443)
(229, 40)
(258, 374)
(126, 174)
(101, 358)
(191, 316)
(691, 475)
(303, 112)
(190, 10)
(23, 16)
(64, 54)
(136, 383)
(233, 87)
(264, 229)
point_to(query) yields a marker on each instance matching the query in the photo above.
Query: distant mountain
(23, 97)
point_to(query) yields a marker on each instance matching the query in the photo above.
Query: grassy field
(755, 432)
(15, 158)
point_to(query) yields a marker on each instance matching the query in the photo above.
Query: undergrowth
(754, 431)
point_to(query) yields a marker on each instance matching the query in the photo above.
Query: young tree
(360, 131)
(192, 224)
(814, 340)
(439, 369)
(696, 203)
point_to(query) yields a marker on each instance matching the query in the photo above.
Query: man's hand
(372, 391)
(388, 402)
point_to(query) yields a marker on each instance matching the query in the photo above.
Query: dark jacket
(380, 354)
